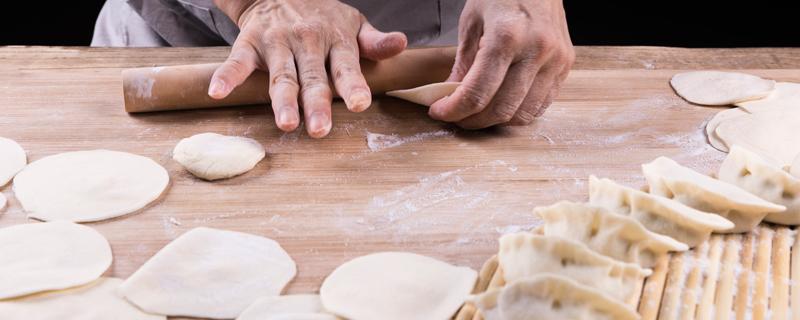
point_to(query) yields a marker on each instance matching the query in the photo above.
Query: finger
(315, 92)
(347, 77)
(478, 87)
(468, 39)
(283, 86)
(536, 101)
(509, 97)
(240, 64)
(376, 45)
(554, 91)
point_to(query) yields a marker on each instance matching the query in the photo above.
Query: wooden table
(442, 192)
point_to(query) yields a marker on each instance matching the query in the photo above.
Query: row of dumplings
(589, 260)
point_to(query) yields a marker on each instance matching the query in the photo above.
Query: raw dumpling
(767, 180)
(669, 179)
(523, 255)
(550, 297)
(212, 156)
(12, 159)
(711, 127)
(396, 285)
(613, 235)
(273, 307)
(785, 95)
(426, 95)
(716, 88)
(659, 214)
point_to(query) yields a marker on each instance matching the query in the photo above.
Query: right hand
(292, 40)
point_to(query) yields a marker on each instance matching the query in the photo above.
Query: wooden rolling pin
(186, 86)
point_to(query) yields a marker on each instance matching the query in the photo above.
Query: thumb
(376, 45)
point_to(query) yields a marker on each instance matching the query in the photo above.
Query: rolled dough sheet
(85, 186)
(712, 125)
(396, 285)
(716, 88)
(12, 159)
(426, 95)
(785, 95)
(37, 257)
(212, 156)
(97, 300)
(772, 133)
(270, 307)
(210, 273)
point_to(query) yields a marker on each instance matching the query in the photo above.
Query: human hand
(512, 57)
(293, 40)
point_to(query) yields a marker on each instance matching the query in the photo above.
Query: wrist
(234, 9)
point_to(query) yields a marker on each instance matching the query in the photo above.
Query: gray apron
(199, 23)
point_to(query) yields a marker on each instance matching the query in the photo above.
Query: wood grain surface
(432, 189)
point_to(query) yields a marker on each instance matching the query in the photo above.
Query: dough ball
(212, 156)
(716, 88)
(85, 186)
(37, 257)
(209, 273)
(426, 95)
(94, 301)
(12, 159)
(396, 285)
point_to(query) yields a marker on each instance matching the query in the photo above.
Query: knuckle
(343, 70)
(308, 31)
(502, 112)
(545, 41)
(509, 32)
(316, 89)
(284, 77)
(524, 118)
(474, 99)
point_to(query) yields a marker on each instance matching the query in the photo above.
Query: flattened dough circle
(396, 285)
(12, 159)
(85, 186)
(212, 156)
(36, 257)
(785, 95)
(711, 127)
(771, 133)
(717, 88)
(426, 95)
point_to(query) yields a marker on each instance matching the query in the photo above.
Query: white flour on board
(378, 141)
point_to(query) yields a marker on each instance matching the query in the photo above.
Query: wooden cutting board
(431, 188)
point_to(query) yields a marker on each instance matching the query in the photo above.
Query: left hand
(512, 57)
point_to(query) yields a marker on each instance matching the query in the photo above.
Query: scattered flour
(378, 141)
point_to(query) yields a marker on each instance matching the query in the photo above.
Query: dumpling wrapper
(711, 126)
(658, 214)
(717, 88)
(773, 133)
(97, 300)
(212, 156)
(426, 95)
(38, 257)
(397, 286)
(669, 179)
(12, 159)
(210, 273)
(620, 237)
(523, 255)
(550, 297)
(85, 186)
(784, 95)
(766, 179)
(301, 306)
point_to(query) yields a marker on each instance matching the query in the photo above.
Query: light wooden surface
(327, 201)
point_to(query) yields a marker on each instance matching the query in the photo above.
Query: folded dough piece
(523, 255)
(426, 95)
(767, 180)
(771, 132)
(784, 95)
(294, 305)
(656, 213)
(610, 234)
(12, 159)
(711, 127)
(669, 179)
(550, 297)
(717, 88)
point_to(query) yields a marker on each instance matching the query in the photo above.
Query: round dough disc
(772, 134)
(37, 257)
(396, 285)
(712, 125)
(13, 159)
(785, 95)
(209, 273)
(212, 156)
(426, 95)
(716, 88)
(87, 186)
(94, 301)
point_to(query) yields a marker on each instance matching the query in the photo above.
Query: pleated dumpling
(550, 297)
(656, 213)
(669, 179)
(523, 255)
(613, 235)
(767, 180)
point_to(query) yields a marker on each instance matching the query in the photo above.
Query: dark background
(680, 23)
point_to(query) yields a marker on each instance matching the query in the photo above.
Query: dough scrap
(212, 156)
(785, 95)
(37, 257)
(97, 300)
(396, 285)
(210, 273)
(716, 88)
(669, 179)
(772, 133)
(720, 117)
(656, 213)
(12, 159)
(84, 186)
(616, 236)
(550, 297)
(426, 95)
(270, 307)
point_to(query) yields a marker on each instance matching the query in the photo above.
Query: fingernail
(319, 125)
(216, 89)
(360, 101)
(287, 118)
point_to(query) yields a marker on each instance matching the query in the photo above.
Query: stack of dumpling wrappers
(589, 260)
